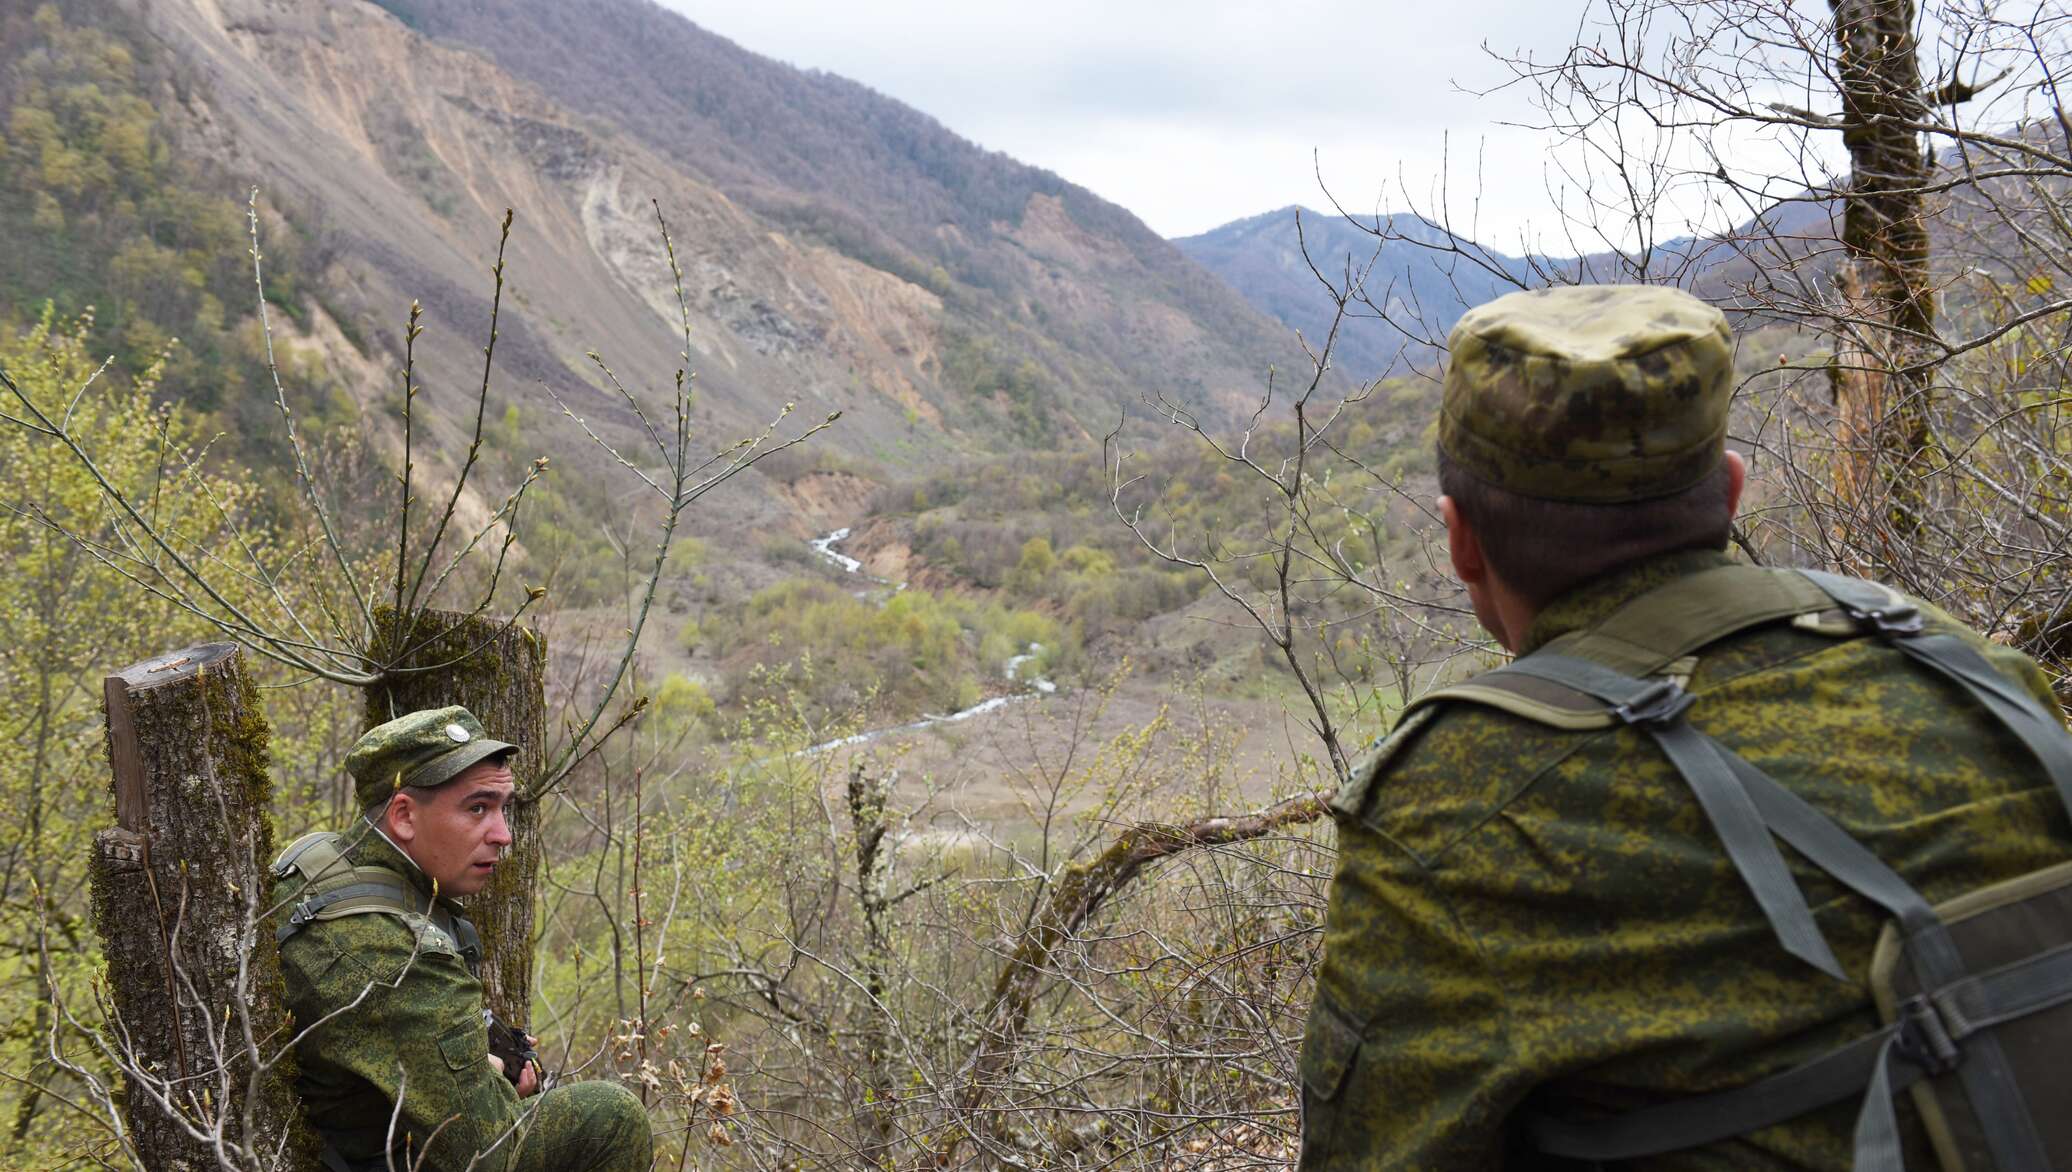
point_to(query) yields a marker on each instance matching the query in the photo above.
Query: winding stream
(1036, 688)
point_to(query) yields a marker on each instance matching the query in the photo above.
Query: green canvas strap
(1641, 638)
(1703, 1119)
(333, 888)
(1678, 618)
(373, 890)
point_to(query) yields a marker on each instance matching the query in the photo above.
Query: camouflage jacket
(1525, 919)
(392, 1013)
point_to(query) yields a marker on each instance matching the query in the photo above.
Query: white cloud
(1194, 114)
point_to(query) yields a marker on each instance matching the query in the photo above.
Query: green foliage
(67, 620)
(1012, 389)
(915, 652)
(98, 212)
(686, 554)
(1032, 570)
(678, 707)
(568, 550)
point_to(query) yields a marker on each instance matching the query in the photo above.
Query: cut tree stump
(179, 888)
(498, 671)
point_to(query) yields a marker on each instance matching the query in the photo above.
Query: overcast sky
(1197, 113)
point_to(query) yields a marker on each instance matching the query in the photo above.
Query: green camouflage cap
(421, 749)
(1599, 394)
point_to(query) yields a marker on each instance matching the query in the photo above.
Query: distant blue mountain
(1419, 280)
(1418, 284)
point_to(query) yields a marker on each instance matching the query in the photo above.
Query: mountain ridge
(1020, 312)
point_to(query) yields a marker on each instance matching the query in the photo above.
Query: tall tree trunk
(498, 672)
(179, 886)
(868, 794)
(1882, 388)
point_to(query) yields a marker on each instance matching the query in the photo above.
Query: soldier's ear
(1463, 545)
(1737, 479)
(401, 818)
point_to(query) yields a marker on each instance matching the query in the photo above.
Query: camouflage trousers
(584, 1127)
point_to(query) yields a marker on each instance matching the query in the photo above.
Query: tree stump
(180, 889)
(498, 671)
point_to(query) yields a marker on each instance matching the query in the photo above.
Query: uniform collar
(375, 850)
(1594, 601)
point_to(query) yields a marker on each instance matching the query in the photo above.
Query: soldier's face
(458, 832)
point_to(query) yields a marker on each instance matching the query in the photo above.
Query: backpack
(1975, 993)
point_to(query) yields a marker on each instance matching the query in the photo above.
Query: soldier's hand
(528, 1082)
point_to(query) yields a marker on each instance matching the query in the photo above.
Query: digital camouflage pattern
(1530, 919)
(393, 1014)
(1598, 394)
(422, 749)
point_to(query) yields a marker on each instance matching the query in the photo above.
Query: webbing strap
(1657, 707)
(1672, 621)
(2015, 708)
(1988, 1080)
(379, 896)
(2030, 985)
(2042, 735)
(1829, 847)
(1938, 965)
(1877, 1124)
(1837, 1075)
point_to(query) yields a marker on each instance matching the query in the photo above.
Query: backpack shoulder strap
(1654, 634)
(1674, 620)
(332, 887)
(1889, 614)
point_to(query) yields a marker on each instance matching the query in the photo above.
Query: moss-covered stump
(498, 671)
(180, 888)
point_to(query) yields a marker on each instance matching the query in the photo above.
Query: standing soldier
(394, 1059)
(1561, 924)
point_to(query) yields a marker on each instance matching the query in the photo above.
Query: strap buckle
(1662, 703)
(1897, 618)
(1924, 1040)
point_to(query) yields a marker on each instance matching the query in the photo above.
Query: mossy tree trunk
(498, 671)
(180, 889)
(1881, 381)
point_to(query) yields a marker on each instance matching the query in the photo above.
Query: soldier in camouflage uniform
(1531, 920)
(395, 1055)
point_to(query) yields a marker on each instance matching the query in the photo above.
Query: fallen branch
(1077, 895)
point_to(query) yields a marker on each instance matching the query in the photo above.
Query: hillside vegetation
(948, 788)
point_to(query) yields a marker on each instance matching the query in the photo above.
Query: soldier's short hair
(1543, 548)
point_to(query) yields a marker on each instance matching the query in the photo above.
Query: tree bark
(498, 671)
(180, 887)
(868, 794)
(1882, 385)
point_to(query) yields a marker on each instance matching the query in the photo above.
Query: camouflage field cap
(420, 749)
(1599, 394)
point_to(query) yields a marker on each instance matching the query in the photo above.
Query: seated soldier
(1537, 940)
(394, 1055)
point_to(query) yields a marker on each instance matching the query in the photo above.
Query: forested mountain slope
(1029, 266)
(839, 250)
